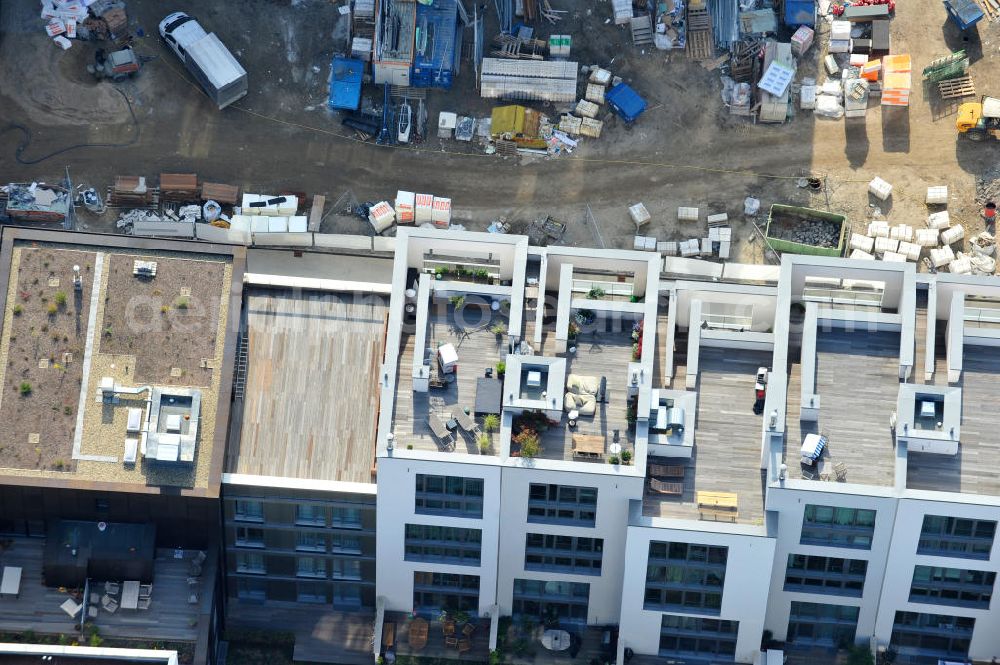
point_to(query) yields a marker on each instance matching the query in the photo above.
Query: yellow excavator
(978, 120)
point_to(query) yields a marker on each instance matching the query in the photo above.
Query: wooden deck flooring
(857, 379)
(38, 606)
(477, 349)
(973, 469)
(606, 354)
(727, 438)
(311, 402)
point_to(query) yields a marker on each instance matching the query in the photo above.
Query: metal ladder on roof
(240, 373)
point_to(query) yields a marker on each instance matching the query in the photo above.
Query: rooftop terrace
(478, 350)
(600, 354)
(166, 328)
(726, 456)
(973, 469)
(38, 607)
(857, 378)
(310, 404)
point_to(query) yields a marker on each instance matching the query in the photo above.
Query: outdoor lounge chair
(661, 487)
(109, 604)
(666, 471)
(111, 588)
(145, 590)
(439, 430)
(144, 603)
(464, 420)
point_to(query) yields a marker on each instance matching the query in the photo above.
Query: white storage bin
(927, 237)
(878, 229)
(879, 188)
(937, 195)
(886, 245)
(902, 232)
(939, 220)
(910, 250)
(952, 235)
(687, 214)
(861, 242)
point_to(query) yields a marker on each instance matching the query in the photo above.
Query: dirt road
(684, 151)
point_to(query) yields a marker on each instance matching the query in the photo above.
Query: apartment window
(957, 537)
(685, 577)
(248, 588)
(698, 637)
(443, 544)
(346, 595)
(952, 586)
(449, 495)
(838, 527)
(250, 562)
(310, 514)
(818, 624)
(562, 504)
(436, 591)
(247, 510)
(551, 600)
(310, 566)
(247, 536)
(548, 552)
(828, 575)
(349, 518)
(345, 569)
(345, 544)
(311, 592)
(308, 541)
(932, 635)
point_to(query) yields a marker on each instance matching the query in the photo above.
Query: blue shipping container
(626, 102)
(345, 84)
(800, 12)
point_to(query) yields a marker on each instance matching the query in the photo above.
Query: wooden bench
(666, 471)
(717, 506)
(717, 515)
(661, 487)
(588, 446)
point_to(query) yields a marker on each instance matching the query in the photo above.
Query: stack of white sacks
(902, 242)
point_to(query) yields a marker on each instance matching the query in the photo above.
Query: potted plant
(595, 293)
(491, 423)
(484, 443)
(626, 457)
(613, 459)
(501, 369)
(528, 441)
(573, 331)
(457, 301)
(498, 329)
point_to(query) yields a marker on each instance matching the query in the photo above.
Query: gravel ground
(685, 151)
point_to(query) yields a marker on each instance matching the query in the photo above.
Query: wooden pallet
(990, 7)
(956, 88)
(699, 45)
(506, 148)
(124, 200)
(642, 30)
(698, 19)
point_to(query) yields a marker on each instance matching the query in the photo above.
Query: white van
(208, 60)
